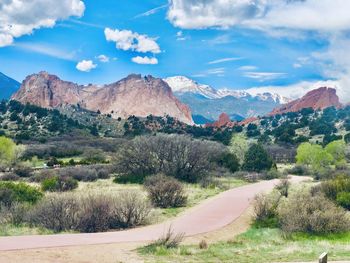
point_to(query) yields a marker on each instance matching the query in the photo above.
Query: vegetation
(257, 159)
(11, 192)
(165, 191)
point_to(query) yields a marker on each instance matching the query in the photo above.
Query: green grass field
(257, 245)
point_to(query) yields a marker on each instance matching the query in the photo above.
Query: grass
(21, 230)
(257, 245)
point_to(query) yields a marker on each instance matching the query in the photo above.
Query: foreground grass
(257, 245)
(22, 230)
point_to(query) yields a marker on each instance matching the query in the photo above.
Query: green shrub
(299, 170)
(59, 184)
(313, 214)
(129, 179)
(165, 191)
(23, 171)
(20, 192)
(257, 159)
(229, 161)
(343, 199)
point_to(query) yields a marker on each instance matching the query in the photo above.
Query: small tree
(337, 149)
(257, 159)
(239, 146)
(7, 150)
(313, 155)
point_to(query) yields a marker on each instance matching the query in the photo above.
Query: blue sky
(227, 50)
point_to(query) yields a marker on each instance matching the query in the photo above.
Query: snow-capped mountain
(181, 85)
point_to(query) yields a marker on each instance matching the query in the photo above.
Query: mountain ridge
(133, 95)
(7, 86)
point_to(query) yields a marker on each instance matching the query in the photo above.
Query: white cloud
(103, 58)
(223, 60)
(128, 40)
(145, 60)
(264, 76)
(180, 36)
(247, 68)
(86, 65)
(22, 17)
(319, 15)
(152, 11)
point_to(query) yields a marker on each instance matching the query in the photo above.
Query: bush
(257, 159)
(343, 199)
(313, 214)
(10, 177)
(59, 184)
(337, 189)
(91, 213)
(169, 240)
(84, 174)
(57, 212)
(265, 210)
(229, 161)
(43, 175)
(299, 170)
(23, 171)
(19, 192)
(165, 191)
(174, 155)
(283, 187)
(130, 210)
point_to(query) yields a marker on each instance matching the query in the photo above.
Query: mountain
(209, 103)
(181, 85)
(7, 86)
(317, 99)
(133, 95)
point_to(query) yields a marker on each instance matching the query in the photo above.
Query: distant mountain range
(207, 103)
(7, 86)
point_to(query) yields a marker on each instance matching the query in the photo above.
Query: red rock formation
(317, 99)
(223, 121)
(134, 95)
(248, 121)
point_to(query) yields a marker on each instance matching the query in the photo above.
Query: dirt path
(212, 215)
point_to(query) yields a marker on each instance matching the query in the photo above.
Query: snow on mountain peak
(181, 84)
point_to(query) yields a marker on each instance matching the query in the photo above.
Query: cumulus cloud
(22, 17)
(86, 65)
(103, 58)
(261, 14)
(145, 60)
(128, 40)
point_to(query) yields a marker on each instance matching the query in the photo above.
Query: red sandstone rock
(134, 95)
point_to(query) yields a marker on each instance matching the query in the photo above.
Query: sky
(236, 44)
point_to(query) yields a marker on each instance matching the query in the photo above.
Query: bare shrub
(10, 177)
(43, 175)
(165, 191)
(203, 244)
(85, 174)
(283, 187)
(130, 210)
(265, 209)
(57, 212)
(174, 155)
(96, 212)
(303, 212)
(169, 240)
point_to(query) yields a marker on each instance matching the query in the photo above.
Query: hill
(8, 86)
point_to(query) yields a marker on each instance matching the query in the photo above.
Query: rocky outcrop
(134, 95)
(317, 99)
(223, 121)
